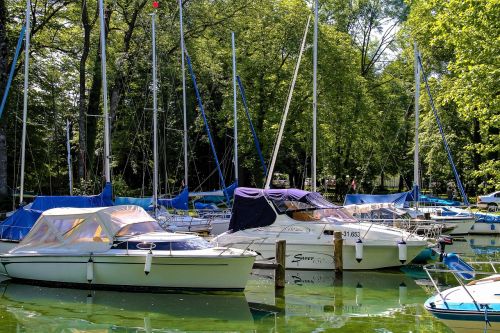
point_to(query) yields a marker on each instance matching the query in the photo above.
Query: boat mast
(184, 97)
(70, 169)
(416, 176)
(155, 119)
(315, 65)
(287, 107)
(235, 112)
(107, 153)
(25, 101)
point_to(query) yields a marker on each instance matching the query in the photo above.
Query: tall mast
(287, 107)
(416, 175)
(70, 169)
(25, 101)
(235, 112)
(107, 150)
(315, 65)
(184, 97)
(155, 119)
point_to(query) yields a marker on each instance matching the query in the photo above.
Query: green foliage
(365, 86)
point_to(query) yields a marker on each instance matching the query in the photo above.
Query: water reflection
(311, 301)
(46, 309)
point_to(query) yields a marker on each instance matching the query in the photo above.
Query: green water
(370, 301)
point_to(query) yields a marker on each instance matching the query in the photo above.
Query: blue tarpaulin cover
(487, 218)
(398, 199)
(16, 226)
(82, 201)
(179, 202)
(145, 203)
(202, 206)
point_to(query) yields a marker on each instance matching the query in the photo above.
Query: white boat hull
(485, 228)
(458, 225)
(217, 272)
(310, 245)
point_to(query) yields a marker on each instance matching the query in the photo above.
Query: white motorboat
(122, 246)
(472, 306)
(307, 222)
(458, 220)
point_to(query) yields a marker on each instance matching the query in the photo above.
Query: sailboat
(17, 225)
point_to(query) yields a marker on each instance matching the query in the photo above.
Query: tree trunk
(3, 81)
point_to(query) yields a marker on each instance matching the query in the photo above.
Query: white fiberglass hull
(485, 228)
(310, 245)
(219, 226)
(113, 269)
(459, 225)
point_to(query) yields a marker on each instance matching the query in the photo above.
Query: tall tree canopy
(365, 89)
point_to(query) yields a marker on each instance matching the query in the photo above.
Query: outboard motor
(442, 242)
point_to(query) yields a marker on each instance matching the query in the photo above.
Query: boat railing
(460, 275)
(426, 228)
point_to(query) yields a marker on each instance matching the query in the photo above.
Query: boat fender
(359, 294)
(492, 226)
(359, 250)
(149, 260)
(403, 251)
(90, 270)
(403, 293)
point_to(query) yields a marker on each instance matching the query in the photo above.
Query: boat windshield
(139, 228)
(317, 214)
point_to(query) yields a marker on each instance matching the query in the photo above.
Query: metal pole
(235, 112)
(25, 101)
(184, 98)
(287, 107)
(315, 65)
(416, 176)
(70, 168)
(107, 152)
(155, 119)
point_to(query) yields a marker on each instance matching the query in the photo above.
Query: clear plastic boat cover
(82, 229)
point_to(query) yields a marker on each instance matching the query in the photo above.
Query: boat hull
(218, 272)
(485, 228)
(307, 256)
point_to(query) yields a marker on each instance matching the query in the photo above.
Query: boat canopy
(17, 226)
(251, 208)
(82, 229)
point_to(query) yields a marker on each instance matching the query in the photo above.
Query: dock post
(337, 252)
(279, 279)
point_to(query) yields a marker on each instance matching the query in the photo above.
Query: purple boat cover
(251, 208)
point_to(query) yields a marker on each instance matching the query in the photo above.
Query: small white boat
(459, 220)
(470, 307)
(307, 222)
(122, 246)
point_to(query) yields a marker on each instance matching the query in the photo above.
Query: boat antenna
(235, 112)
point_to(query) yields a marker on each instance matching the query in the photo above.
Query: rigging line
(392, 147)
(441, 131)
(136, 124)
(34, 165)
